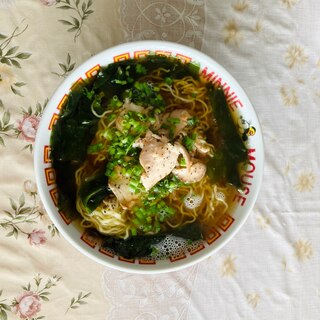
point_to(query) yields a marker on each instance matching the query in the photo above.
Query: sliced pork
(119, 184)
(191, 175)
(158, 157)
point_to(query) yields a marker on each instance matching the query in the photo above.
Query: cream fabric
(271, 268)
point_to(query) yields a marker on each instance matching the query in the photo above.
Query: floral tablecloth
(271, 268)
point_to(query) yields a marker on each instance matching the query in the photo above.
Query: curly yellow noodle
(112, 222)
(192, 93)
(211, 208)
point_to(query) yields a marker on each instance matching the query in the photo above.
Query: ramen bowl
(89, 241)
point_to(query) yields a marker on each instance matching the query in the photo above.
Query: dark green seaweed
(93, 191)
(70, 138)
(142, 246)
(74, 130)
(231, 151)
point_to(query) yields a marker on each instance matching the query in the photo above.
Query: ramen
(147, 149)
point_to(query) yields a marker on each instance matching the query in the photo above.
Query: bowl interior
(89, 242)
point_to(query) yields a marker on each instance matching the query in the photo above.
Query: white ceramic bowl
(231, 222)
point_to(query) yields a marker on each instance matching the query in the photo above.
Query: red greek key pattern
(89, 239)
(126, 260)
(163, 53)
(62, 102)
(213, 236)
(141, 54)
(121, 57)
(93, 71)
(199, 248)
(107, 252)
(64, 217)
(177, 258)
(53, 120)
(46, 154)
(225, 222)
(79, 82)
(50, 176)
(142, 261)
(54, 195)
(183, 58)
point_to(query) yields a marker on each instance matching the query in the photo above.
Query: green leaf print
(66, 67)
(20, 216)
(6, 127)
(9, 54)
(76, 302)
(82, 10)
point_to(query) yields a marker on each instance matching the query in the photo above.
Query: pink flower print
(37, 237)
(48, 2)
(28, 127)
(27, 305)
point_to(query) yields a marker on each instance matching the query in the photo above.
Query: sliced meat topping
(119, 185)
(183, 116)
(194, 174)
(158, 157)
(176, 121)
(202, 146)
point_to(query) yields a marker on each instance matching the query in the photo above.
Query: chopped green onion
(87, 93)
(192, 121)
(114, 102)
(140, 69)
(173, 121)
(189, 141)
(168, 81)
(182, 162)
(94, 148)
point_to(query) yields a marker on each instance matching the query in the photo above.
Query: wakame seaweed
(143, 246)
(93, 191)
(70, 138)
(224, 165)
(74, 130)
